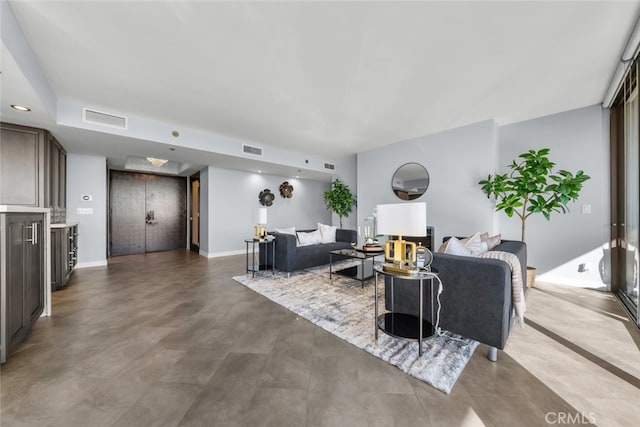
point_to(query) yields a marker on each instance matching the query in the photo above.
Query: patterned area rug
(346, 311)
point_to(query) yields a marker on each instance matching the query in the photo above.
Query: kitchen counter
(25, 209)
(64, 225)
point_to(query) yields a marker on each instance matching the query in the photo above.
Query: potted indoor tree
(339, 199)
(531, 187)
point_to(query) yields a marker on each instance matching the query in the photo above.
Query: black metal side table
(255, 265)
(401, 325)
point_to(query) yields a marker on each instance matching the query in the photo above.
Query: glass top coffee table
(361, 271)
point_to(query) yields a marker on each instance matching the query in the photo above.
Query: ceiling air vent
(103, 119)
(329, 166)
(254, 151)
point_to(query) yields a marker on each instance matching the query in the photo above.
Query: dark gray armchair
(476, 299)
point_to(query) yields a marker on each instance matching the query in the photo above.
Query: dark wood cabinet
(22, 166)
(57, 184)
(33, 170)
(64, 254)
(22, 282)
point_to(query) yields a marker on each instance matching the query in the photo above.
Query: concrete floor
(170, 339)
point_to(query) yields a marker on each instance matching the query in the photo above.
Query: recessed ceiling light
(175, 133)
(259, 171)
(20, 107)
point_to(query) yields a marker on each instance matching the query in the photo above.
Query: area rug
(347, 311)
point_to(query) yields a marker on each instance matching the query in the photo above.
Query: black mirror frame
(404, 195)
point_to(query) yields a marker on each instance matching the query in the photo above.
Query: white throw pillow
(475, 244)
(310, 238)
(454, 246)
(328, 233)
(492, 241)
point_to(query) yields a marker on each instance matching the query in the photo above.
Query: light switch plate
(84, 211)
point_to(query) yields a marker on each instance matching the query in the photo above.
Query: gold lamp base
(399, 269)
(259, 232)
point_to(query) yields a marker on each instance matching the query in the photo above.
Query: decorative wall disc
(286, 190)
(266, 197)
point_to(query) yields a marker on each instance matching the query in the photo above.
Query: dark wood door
(166, 204)
(17, 325)
(127, 199)
(147, 214)
(25, 274)
(34, 267)
(21, 166)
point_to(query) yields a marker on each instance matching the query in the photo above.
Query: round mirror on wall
(410, 181)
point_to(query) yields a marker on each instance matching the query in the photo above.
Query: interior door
(195, 213)
(165, 213)
(127, 199)
(148, 213)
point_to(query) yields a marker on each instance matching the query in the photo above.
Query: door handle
(34, 233)
(150, 218)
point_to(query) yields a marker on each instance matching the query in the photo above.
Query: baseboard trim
(91, 264)
(222, 254)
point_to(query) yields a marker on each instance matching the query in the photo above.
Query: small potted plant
(531, 187)
(339, 199)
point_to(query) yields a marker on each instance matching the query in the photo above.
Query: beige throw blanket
(517, 287)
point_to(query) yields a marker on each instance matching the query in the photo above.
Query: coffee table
(362, 271)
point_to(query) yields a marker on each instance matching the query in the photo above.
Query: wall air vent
(329, 166)
(249, 149)
(103, 119)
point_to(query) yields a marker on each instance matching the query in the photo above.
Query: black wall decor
(266, 197)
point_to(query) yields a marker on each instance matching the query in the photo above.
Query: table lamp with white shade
(259, 231)
(401, 219)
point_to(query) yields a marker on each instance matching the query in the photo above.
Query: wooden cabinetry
(23, 276)
(33, 170)
(64, 253)
(57, 184)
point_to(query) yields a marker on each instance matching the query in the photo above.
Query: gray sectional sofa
(290, 257)
(476, 299)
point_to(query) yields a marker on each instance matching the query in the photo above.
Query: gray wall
(457, 159)
(86, 175)
(578, 139)
(229, 199)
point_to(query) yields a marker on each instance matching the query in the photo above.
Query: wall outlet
(586, 209)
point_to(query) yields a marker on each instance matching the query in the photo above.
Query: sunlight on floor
(471, 419)
(590, 361)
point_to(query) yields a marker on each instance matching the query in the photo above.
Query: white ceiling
(331, 78)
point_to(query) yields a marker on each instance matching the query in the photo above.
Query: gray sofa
(290, 257)
(476, 298)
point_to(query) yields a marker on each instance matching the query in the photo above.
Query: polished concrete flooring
(169, 339)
